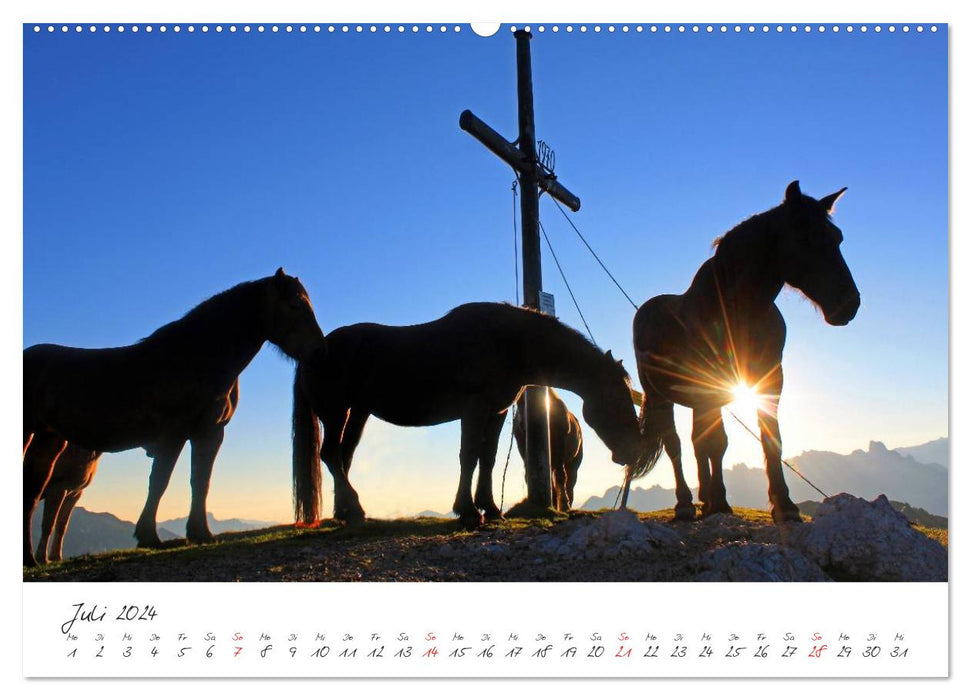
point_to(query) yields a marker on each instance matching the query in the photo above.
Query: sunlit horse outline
(694, 348)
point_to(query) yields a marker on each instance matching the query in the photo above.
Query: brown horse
(695, 348)
(176, 385)
(566, 446)
(73, 472)
(469, 365)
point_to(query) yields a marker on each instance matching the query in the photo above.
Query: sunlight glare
(746, 399)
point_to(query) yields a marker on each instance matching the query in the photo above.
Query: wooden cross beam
(517, 159)
(533, 177)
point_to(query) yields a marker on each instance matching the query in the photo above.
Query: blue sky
(162, 168)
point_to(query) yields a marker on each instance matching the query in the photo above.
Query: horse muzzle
(844, 311)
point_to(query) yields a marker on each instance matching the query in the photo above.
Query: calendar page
(425, 349)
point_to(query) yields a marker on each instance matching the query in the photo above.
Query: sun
(746, 400)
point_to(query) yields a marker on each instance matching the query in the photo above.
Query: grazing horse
(566, 446)
(695, 348)
(179, 384)
(73, 472)
(469, 365)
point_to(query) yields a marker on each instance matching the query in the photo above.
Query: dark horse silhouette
(469, 365)
(693, 349)
(566, 446)
(177, 384)
(73, 472)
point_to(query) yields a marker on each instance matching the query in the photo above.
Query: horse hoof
(29, 561)
(786, 515)
(684, 513)
(495, 517)
(199, 537)
(471, 521)
(350, 517)
(722, 508)
(149, 542)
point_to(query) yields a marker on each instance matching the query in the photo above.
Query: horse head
(289, 317)
(608, 409)
(810, 257)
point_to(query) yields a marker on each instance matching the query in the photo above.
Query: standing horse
(695, 348)
(73, 472)
(566, 446)
(469, 365)
(176, 385)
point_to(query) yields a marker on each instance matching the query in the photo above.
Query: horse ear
(280, 273)
(610, 355)
(793, 193)
(830, 200)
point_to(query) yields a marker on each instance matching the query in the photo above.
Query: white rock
(853, 539)
(757, 562)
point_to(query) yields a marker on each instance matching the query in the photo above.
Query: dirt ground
(424, 549)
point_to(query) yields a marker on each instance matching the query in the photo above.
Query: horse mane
(217, 316)
(553, 321)
(755, 225)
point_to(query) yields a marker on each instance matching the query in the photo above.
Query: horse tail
(306, 455)
(654, 421)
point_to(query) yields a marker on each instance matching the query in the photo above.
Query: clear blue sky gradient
(160, 169)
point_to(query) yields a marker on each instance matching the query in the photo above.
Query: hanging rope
(568, 288)
(593, 253)
(796, 471)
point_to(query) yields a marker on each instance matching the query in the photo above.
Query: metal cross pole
(521, 156)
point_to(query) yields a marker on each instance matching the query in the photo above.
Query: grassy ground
(416, 549)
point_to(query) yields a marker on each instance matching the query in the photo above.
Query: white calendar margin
(918, 611)
(418, 10)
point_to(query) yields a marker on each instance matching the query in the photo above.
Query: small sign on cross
(546, 304)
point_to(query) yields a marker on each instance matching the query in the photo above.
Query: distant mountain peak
(915, 475)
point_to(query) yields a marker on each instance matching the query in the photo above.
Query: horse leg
(572, 469)
(717, 446)
(165, 457)
(700, 428)
(685, 507)
(558, 477)
(40, 456)
(205, 447)
(782, 507)
(60, 526)
(345, 498)
(353, 431)
(558, 469)
(484, 498)
(53, 502)
(474, 423)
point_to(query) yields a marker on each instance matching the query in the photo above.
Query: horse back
(564, 426)
(659, 322)
(411, 375)
(113, 399)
